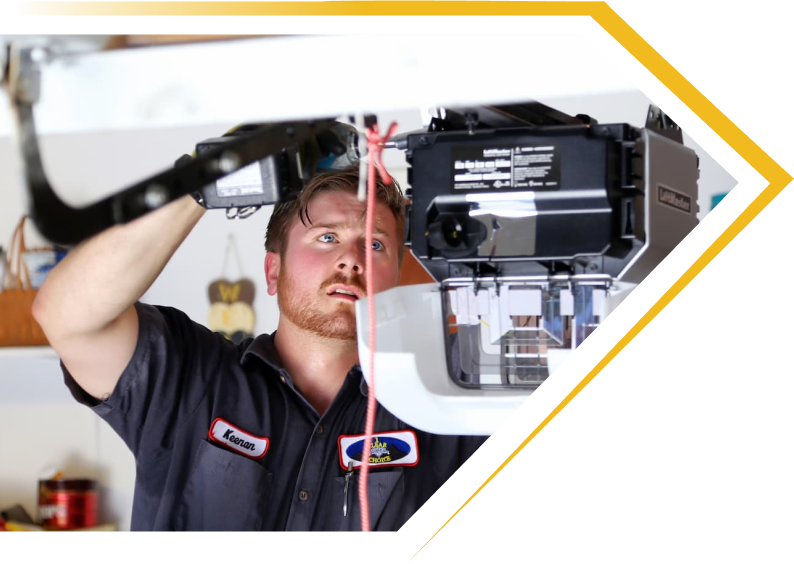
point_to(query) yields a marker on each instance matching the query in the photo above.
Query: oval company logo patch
(389, 448)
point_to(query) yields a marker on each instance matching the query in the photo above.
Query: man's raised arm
(86, 304)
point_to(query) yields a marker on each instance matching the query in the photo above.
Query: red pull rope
(374, 149)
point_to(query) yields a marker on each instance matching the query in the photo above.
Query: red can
(67, 504)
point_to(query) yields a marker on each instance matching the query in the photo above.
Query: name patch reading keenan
(252, 446)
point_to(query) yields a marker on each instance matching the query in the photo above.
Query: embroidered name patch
(389, 448)
(223, 432)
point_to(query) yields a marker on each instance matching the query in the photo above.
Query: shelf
(32, 352)
(16, 526)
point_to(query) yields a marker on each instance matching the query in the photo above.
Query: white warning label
(498, 168)
(244, 182)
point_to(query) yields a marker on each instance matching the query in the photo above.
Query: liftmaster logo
(674, 199)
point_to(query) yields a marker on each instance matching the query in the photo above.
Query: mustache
(340, 278)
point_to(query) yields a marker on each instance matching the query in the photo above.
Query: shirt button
(283, 379)
(303, 495)
(320, 429)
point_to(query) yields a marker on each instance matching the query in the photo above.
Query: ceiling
(96, 40)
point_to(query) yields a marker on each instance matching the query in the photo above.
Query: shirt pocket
(385, 491)
(225, 492)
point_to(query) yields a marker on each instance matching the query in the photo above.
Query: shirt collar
(264, 348)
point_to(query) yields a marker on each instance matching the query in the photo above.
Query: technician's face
(324, 263)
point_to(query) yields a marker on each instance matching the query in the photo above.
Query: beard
(305, 311)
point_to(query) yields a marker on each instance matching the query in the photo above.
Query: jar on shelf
(68, 504)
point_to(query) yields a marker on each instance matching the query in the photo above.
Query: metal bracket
(662, 124)
(66, 225)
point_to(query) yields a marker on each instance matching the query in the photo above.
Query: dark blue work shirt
(223, 440)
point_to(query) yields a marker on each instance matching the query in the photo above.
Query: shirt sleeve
(173, 368)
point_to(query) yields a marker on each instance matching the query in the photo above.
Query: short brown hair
(285, 212)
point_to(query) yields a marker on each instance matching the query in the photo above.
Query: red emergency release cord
(374, 149)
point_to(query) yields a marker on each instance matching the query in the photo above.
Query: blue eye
(377, 245)
(327, 238)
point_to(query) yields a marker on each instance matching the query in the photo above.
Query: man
(264, 435)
